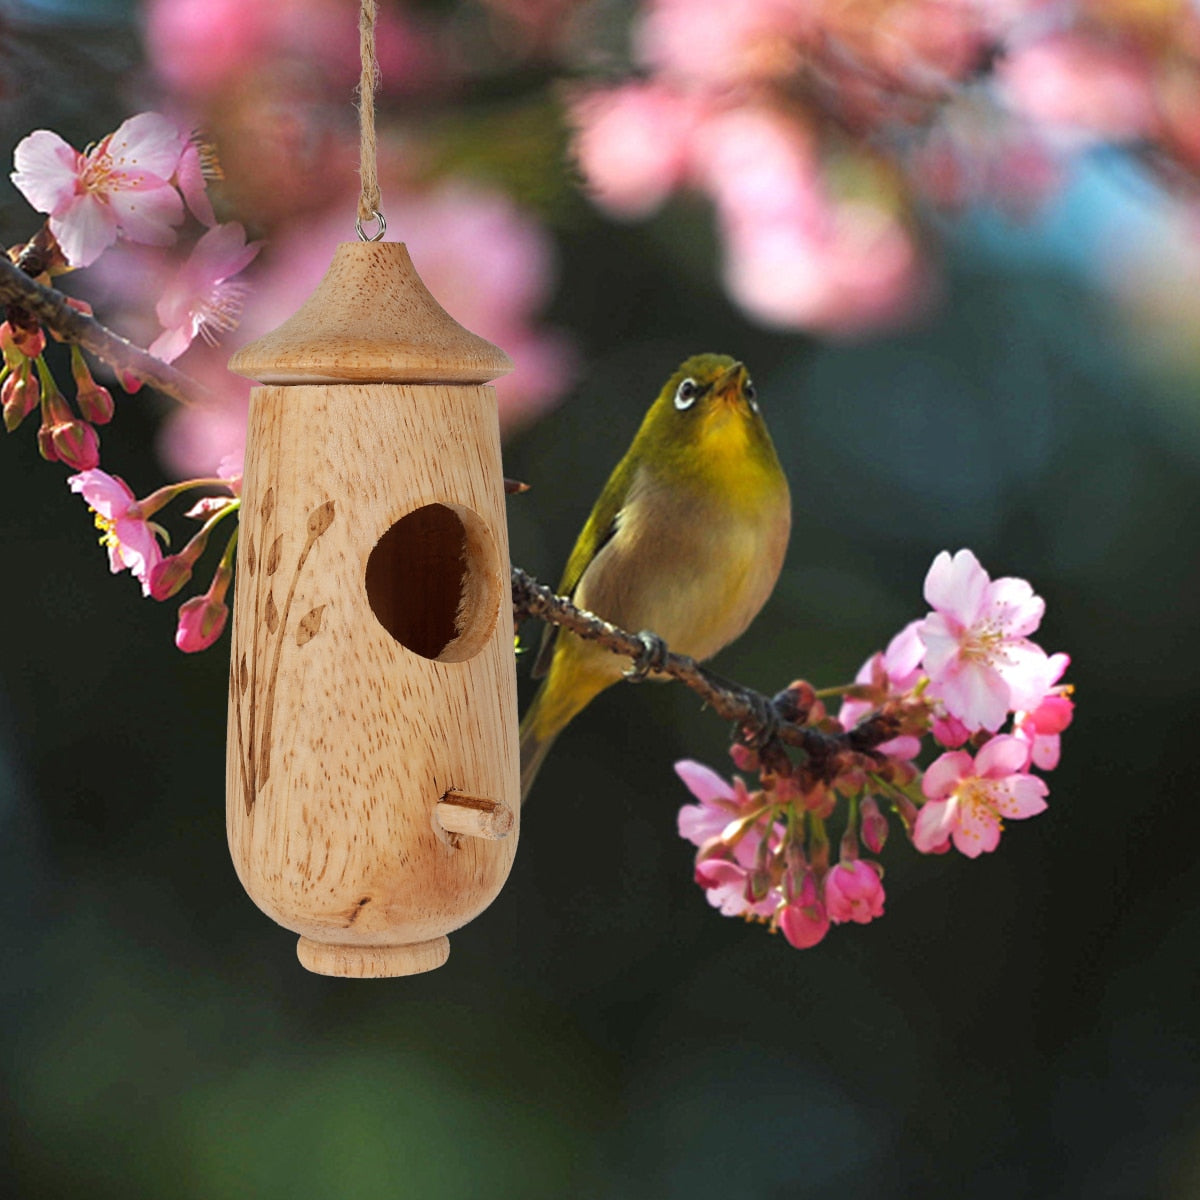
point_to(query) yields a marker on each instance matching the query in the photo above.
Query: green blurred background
(1025, 1025)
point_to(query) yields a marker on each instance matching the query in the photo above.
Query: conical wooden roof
(371, 320)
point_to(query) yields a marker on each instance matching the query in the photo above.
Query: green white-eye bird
(686, 540)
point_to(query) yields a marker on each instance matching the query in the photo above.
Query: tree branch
(761, 718)
(51, 309)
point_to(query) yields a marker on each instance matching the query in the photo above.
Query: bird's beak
(728, 386)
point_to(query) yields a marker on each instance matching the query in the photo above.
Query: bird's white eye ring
(685, 394)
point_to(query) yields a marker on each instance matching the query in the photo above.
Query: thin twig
(51, 309)
(757, 715)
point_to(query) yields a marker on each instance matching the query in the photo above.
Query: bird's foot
(766, 721)
(653, 657)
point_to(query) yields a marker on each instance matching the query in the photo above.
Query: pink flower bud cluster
(959, 676)
(132, 541)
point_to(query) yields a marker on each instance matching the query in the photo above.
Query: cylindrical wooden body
(372, 668)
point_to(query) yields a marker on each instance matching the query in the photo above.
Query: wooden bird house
(372, 778)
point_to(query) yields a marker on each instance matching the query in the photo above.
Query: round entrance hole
(433, 581)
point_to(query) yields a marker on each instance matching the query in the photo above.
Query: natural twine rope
(368, 200)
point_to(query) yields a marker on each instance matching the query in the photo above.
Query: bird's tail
(535, 745)
(568, 688)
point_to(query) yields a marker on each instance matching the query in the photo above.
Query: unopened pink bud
(950, 731)
(96, 404)
(744, 758)
(169, 576)
(77, 444)
(874, 825)
(201, 621)
(30, 340)
(854, 892)
(804, 920)
(45, 441)
(19, 397)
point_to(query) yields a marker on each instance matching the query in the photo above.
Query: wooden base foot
(372, 962)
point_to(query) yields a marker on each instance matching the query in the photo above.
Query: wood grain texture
(342, 741)
(371, 320)
(372, 666)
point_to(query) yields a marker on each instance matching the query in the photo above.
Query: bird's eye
(685, 394)
(751, 394)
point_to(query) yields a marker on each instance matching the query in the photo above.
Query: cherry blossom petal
(1045, 751)
(1025, 670)
(1013, 605)
(977, 830)
(108, 494)
(902, 658)
(85, 229)
(943, 774)
(941, 639)
(193, 185)
(47, 168)
(703, 782)
(956, 586)
(1020, 796)
(935, 824)
(1001, 756)
(171, 343)
(148, 142)
(976, 694)
(147, 213)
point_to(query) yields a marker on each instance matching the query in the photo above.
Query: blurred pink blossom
(198, 46)
(127, 535)
(634, 144)
(719, 802)
(717, 43)
(980, 661)
(1082, 83)
(967, 798)
(489, 263)
(120, 188)
(202, 300)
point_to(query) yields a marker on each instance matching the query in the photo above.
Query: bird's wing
(597, 532)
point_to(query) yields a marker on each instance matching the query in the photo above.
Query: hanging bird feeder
(372, 773)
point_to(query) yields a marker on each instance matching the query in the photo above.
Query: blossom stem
(164, 495)
(50, 307)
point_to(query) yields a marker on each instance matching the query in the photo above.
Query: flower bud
(19, 397)
(77, 444)
(804, 920)
(201, 621)
(744, 758)
(95, 402)
(28, 337)
(874, 825)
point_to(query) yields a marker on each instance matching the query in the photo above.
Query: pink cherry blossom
(1041, 726)
(120, 188)
(633, 144)
(854, 892)
(890, 672)
(129, 538)
(203, 300)
(804, 919)
(720, 803)
(967, 798)
(727, 887)
(979, 659)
